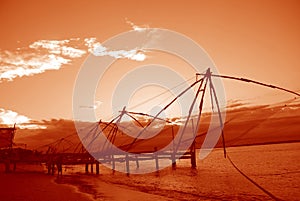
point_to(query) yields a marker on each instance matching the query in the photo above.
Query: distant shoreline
(262, 143)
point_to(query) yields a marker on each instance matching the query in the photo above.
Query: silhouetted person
(59, 166)
(50, 166)
(7, 166)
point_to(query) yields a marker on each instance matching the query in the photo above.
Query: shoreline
(101, 190)
(261, 144)
(213, 179)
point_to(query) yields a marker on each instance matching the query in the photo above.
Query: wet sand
(36, 187)
(100, 189)
(41, 187)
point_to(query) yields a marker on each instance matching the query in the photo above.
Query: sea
(266, 172)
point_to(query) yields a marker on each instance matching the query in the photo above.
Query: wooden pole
(193, 156)
(113, 163)
(173, 154)
(97, 167)
(92, 167)
(86, 168)
(137, 162)
(219, 113)
(190, 110)
(156, 159)
(127, 164)
(193, 147)
(173, 160)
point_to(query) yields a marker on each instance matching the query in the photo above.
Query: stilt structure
(113, 130)
(205, 85)
(6, 143)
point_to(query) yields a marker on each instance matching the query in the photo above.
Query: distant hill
(244, 125)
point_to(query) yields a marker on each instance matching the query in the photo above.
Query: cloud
(59, 47)
(39, 57)
(98, 49)
(9, 117)
(31, 126)
(135, 27)
(43, 55)
(95, 106)
(14, 65)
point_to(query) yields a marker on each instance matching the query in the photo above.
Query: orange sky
(254, 39)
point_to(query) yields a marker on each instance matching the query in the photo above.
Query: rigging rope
(253, 182)
(253, 81)
(165, 91)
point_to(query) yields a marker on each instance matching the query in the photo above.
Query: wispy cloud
(15, 64)
(95, 106)
(39, 57)
(135, 27)
(9, 117)
(59, 47)
(98, 49)
(43, 55)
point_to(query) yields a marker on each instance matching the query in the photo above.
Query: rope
(253, 182)
(165, 91)
(178, 96)
(255, 82)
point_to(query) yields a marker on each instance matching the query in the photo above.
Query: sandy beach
(41, 187)
(35, 187)
(101, 189)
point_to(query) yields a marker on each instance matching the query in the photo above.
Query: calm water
(274, 167)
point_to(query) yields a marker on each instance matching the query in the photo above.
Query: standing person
(59, 166)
